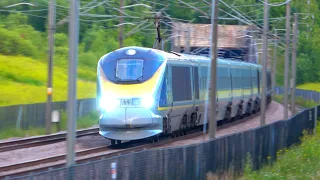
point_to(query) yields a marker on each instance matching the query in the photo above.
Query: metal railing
(305, 94)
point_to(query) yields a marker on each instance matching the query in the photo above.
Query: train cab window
(129, 69)
(196, 82)
(181, 83)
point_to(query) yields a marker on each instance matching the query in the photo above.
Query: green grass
(298, 162)
(299, 101)
(310, 86)
(23, 81)
(83, 122)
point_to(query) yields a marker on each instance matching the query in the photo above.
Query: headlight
(109, 104)
(147, 102)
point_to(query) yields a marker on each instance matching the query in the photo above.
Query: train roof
(174, 56)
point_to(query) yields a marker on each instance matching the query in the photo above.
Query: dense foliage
(23, 28)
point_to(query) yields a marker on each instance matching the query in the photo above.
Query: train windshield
(125, 69)
(129, 69)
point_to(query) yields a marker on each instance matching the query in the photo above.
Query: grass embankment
(299, 101)
(24, 81)
(297, 162)
(83, 122)
(310, 86)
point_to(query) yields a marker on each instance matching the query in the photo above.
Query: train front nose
(138, 117)
(126, 118)
(129, 124)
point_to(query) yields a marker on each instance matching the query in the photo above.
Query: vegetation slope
(24, 44)
(297, 162)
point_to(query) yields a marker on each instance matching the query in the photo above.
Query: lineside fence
(225, 154)
(33, 115)
(305, 94)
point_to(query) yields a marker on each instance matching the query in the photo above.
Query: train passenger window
(203, 78)
(196, 82)
(236, 78)
(246, 78)
(223, 78)
(129, 69)
(254, 78)
(181, 83)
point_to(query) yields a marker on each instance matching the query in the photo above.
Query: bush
(88, 59)
(11, 44)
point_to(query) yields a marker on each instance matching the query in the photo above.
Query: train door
(196, 88)
(165, 91)
(254, 81)
(182, 101)
(196, 112)
(223, 88)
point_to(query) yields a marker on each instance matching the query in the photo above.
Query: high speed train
(145, 92)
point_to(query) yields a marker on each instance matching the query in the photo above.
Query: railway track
(42, 140)
(23, 168)
(84, 156)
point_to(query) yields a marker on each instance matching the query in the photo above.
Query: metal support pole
(179, 44)
(51, 29)
(286, 63)
(173, 38)
(121, 24)
(264, 63)
(72, 76)
(274, 73)
(213, 71)
(187, 41)
(294, 56)
(315, 119)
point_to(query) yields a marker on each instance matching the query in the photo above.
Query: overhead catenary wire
(97, 18)
(274, 4)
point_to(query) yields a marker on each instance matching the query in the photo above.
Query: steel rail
(42, 140)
